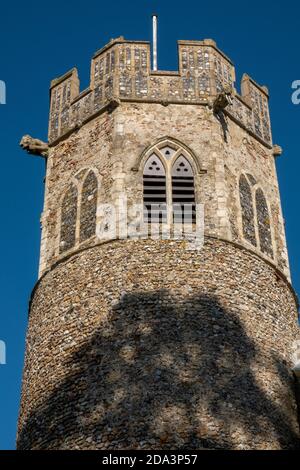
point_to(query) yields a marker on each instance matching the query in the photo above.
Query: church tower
(141, 338)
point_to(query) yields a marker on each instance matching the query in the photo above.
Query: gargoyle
(223, 99)
(34, 146)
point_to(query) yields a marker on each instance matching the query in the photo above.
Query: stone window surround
(168, 164)
(253, 189)
(79, 185)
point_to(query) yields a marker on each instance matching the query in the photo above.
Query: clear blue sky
(40, 41)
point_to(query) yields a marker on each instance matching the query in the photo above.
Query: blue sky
(40, 41)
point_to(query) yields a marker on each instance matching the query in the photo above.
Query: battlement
(121, 71)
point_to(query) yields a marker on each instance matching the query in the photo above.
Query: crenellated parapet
(121, 71)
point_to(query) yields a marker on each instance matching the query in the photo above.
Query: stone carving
(277, 150)
(34, 146)
(223, 99)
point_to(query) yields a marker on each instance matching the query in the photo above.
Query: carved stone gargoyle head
(223, 99)
(34, 146)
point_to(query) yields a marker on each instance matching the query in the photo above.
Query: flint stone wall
(144, 344)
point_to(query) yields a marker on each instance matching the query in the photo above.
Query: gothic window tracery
(78, 210)
(246, 201)
(183, 193)
(68, 219)
(263, 223)
(155, 196)
(255, 215)
(88, 207)
(168, 185)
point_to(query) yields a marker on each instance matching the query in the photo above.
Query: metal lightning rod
(154, 22)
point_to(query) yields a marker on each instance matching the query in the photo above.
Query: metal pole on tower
(154, 22)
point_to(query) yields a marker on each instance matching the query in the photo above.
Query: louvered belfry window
(168, 186)
(155, 194)
(183, 193)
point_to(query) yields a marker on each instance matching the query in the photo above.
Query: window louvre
(155, 196)
(183, 192)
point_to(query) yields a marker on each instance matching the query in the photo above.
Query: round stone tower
(143, 337)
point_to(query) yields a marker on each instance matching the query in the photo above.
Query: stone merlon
(121, 70)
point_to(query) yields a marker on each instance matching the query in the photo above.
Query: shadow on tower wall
(164, 374)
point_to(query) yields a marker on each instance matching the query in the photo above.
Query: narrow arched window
(263, 223)
(68, 219)
(154, 190)
(88, 207)
(183, 192)
(247, 210)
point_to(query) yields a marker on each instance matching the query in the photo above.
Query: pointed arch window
(78, 210)
(263, 223)
(88, 207)
(255, 215)
(247, 210)
(68, 219)
(154, 190)
(168, 185)
(183, 192)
